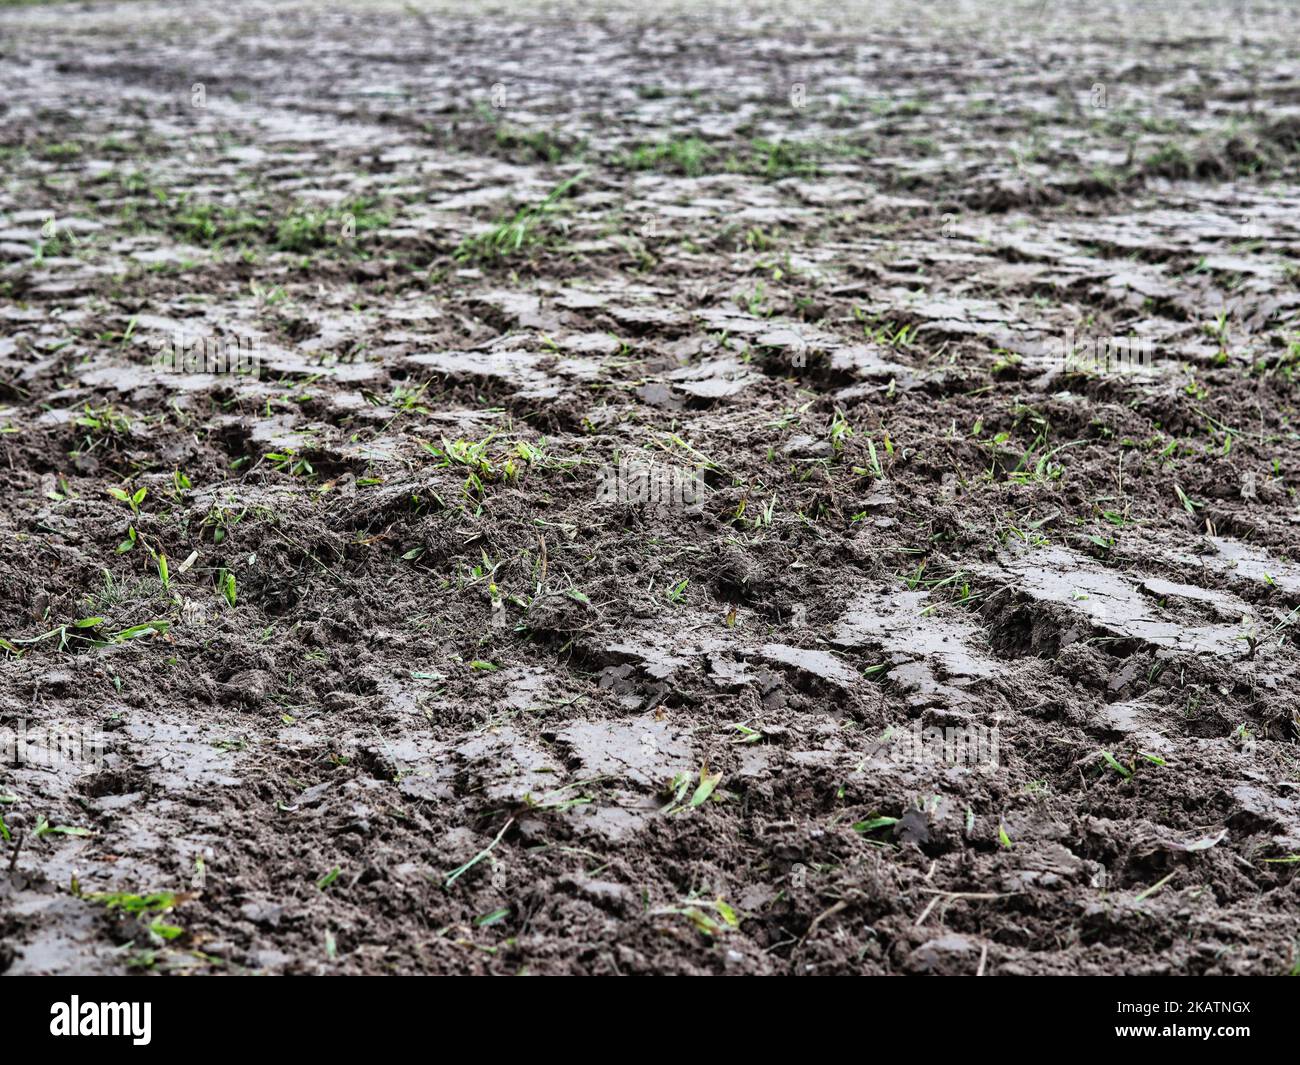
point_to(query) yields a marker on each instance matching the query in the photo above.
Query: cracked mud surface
(427, 699)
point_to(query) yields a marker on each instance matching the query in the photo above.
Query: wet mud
(661, 417)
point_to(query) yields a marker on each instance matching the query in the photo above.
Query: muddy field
(646, 424)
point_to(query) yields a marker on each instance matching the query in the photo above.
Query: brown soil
(428, 699)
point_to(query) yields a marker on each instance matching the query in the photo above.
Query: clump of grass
(103, 422)
(148, 910)
(1286, 364)
(302, 229)
(210, 223)
(840, 432)
(536, 145)
(691, 156)
(290, 462)
(694, 911)
(511, 235)
(227, 586)
(681, 784)
(308, 230)
(781, 159)
(131, 500)
(86, 632)
(61, 150)
(685, 156)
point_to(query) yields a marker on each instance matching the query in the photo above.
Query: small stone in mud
(267, 914)
(57, 681)
(807, 447)
(950, 955)
(605, 893)
(913, 827)
(250, 686)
